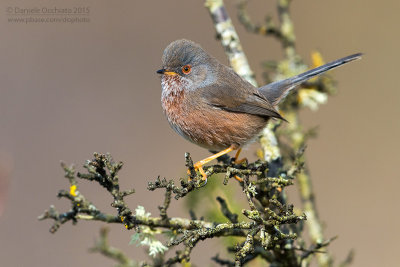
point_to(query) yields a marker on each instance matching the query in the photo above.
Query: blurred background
(70, 89)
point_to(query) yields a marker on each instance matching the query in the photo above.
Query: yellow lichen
(260, 153)
(185, 263)
(316, 59)
(72, 190)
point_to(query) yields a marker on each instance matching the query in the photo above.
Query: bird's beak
(167, 72)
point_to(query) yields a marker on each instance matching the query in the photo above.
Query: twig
(104, 171)
(229, 39)
(225, 210)
(315, 248)
(104, 248)
(223, 262)
(349, 259)
(269, 28)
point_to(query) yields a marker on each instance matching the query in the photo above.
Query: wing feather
(234, 94)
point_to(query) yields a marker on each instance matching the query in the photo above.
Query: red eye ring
(186, 69)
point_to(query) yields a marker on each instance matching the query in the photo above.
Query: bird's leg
(239, 179)
(199, 165)
(237, 161)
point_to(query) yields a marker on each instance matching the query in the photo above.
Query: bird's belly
(214, 128)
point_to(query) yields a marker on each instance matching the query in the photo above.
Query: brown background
(67, 90)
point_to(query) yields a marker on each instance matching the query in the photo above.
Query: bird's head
(189, 63)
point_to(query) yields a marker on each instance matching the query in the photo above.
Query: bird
(209, 104)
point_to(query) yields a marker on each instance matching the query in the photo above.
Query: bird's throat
(173, 94)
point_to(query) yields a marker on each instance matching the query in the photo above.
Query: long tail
(275, 92)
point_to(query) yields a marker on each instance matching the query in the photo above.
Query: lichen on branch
(262, 227)
(268, 227)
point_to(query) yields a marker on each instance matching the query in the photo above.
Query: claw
(198, 166)
(237, 160)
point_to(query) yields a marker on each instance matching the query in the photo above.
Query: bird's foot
(240, 161)
(198, 166)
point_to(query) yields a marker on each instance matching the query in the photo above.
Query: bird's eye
(186, 69)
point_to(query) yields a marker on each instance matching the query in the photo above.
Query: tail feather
(275, 92)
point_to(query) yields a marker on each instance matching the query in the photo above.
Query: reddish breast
(203, 124)
(172, 100)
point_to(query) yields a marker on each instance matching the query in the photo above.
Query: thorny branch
(262, 229)
(268, 229)
(102, 246)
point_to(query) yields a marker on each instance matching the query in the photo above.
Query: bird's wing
(277, 91)
(232, 93)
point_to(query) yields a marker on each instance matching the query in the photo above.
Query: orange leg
(199, 165)
(238, 178)
(237, 161)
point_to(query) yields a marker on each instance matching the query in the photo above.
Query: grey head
(190, 62)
